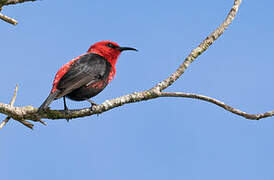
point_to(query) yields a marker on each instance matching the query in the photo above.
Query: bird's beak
(126, 49)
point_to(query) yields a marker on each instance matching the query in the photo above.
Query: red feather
(63, 70)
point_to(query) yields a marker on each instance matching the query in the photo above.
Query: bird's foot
(92, 104)
(66, 113)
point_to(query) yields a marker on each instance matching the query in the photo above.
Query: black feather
(76, 84)
(49, 99)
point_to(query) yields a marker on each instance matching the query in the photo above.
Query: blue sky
(160, 139)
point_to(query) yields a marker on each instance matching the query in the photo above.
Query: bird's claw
(92, 103)
(67, 114)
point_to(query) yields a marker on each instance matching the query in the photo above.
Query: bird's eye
(110, 45)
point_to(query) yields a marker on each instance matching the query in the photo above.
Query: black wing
(89, 68)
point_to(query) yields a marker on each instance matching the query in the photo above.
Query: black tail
(47, 102)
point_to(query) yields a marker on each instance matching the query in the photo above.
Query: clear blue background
(167, 138)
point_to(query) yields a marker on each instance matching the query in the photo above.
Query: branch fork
(6, 120)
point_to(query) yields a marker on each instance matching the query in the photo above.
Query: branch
(219, 103)
(30, 112)
(201, 48)
(6, 120)
(8, 19)
(9, 2)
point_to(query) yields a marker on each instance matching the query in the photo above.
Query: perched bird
(86, 75)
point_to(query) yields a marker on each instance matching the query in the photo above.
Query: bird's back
(85, 78)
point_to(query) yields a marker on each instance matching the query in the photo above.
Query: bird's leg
(65, 107)
(65, 104)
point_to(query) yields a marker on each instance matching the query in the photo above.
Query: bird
(86, 75)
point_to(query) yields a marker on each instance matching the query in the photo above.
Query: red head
(109, 50)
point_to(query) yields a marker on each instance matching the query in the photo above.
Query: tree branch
(30, 112)
(9, 2)
(6, 120)
(8, 19)
(219, 103)
(201, 48)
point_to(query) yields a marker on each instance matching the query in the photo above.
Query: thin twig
(25, 123)
(8, 19)
(6, 120)
(201, 48)
(218, 103)
(14, 95)
(10, 2)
